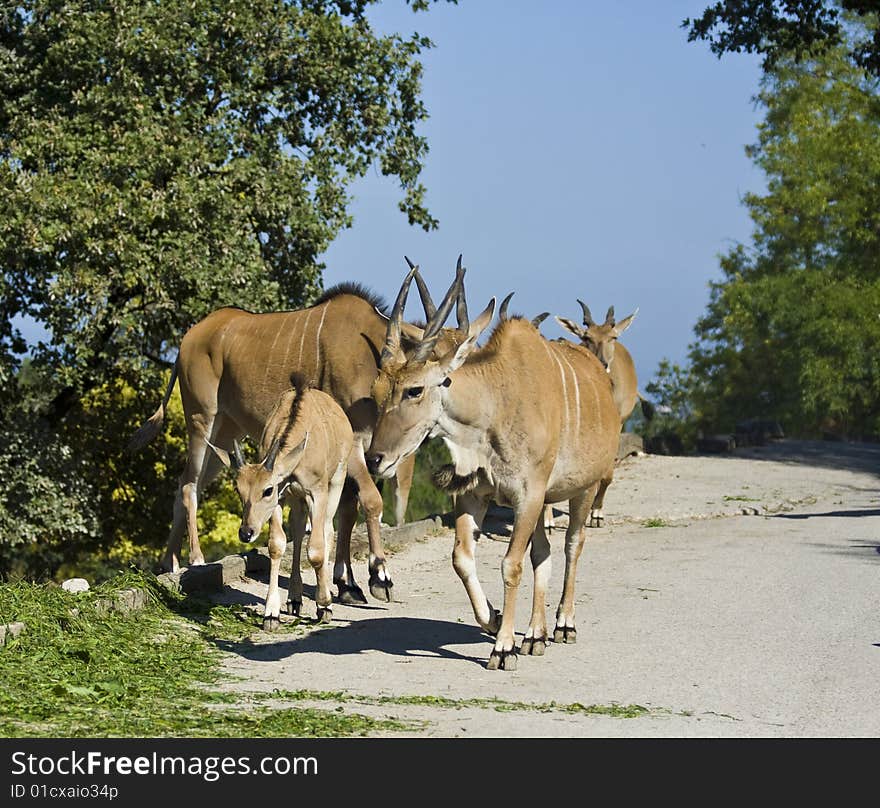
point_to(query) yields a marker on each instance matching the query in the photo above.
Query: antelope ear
(570, 326)
(222, 454)
(411, 333)
(625, 323)
(455, 359)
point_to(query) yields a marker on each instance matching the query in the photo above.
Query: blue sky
(577, 150)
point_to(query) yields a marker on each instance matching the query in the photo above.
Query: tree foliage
(780, 29)
(793, 328)
(159, 160)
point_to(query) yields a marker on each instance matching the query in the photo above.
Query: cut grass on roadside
(612, 710)
(79, 671)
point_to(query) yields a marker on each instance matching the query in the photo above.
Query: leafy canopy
(793, 328)
(157, 161)
(780, 29)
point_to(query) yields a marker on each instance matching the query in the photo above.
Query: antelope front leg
(277, 543)
(525, 521)
(535, 640)
(320, 552)
(297, 528)
(574, 542)
(402, 483)
(371, 502)
(469, 513)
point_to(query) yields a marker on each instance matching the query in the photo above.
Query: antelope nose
(246, 534)
(373, 461)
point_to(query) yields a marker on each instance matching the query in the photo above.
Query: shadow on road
(397, 636)
(840, 455)
(863, 512)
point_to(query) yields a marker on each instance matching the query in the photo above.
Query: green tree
(787, 28)
(793, 328)
(159, 160)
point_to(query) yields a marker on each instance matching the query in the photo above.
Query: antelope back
(239, 363)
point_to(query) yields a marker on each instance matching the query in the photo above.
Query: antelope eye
(413, 392)
(268, 491)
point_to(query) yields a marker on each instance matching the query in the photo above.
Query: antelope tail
(153, 425)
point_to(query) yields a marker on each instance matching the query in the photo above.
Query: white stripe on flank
(270, 366)
(577, 395)
(318, 345)
(303, 339)
(564, 387)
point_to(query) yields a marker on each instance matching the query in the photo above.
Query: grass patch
(612, 710)
(655, 521)
(79, 671)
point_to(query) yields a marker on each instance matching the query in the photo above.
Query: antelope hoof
(597, 521)
(325, 615)
(379, 589)
(271, 623)
(169, 565)
(197, 561)
(350, 594)
(502, 660)
(565, 634)
(294, 607)
(533, 646)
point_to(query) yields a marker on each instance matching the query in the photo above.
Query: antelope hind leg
(348, 592)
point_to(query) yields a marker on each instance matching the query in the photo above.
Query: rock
(757, 431)
(716, 444)
(629, 444)
(75, 585)
(10, 630)
(666, 443)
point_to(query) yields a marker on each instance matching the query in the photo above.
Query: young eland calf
(307, 450)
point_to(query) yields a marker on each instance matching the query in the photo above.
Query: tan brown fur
(306, 450)
(538, 422)
(233, 365)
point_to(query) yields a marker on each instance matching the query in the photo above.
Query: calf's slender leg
(277, 543)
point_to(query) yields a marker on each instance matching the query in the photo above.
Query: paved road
(719, 624)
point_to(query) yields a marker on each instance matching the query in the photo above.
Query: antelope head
(260, 485)
(597, 338)
(410, 390)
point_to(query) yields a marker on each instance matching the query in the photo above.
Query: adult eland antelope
(232, 367)
(526, 421)
(306, 450)
(602, 340)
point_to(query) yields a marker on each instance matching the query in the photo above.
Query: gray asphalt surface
(718, 623)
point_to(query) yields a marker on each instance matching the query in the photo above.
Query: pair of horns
(436, 316)
(237, 456)
(461, 311)
(588, 318)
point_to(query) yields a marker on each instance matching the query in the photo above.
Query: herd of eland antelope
(341, 392)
